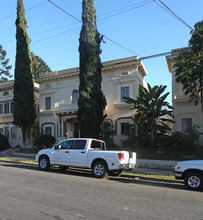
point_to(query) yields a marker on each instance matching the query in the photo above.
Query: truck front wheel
(44, 163)
(99, 169)
(193, 181)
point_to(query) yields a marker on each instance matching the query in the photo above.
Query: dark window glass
(97, 145)
(13, 132)
(6, 108)
(11, 103)
(186, 124)
(75, 96)
(124, 92)
(47, 103)
(123, 128)
(67, 144)
(48, 130)
(7, 132)
(1, 108)
(76, 130)
(80, 144)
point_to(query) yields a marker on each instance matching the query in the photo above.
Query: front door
(61, 153)
(78, 155)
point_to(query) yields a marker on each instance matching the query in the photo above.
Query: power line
(167, 9)
(65, 11)
(138, 5)
(25, 10)
(81, 22)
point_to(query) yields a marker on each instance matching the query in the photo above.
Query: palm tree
(153, 112)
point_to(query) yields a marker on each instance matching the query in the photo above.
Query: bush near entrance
(4, 144)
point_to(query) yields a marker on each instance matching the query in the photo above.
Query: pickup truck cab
(86, 153)
(191, 171)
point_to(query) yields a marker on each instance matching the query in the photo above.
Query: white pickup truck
(191, 171)
(86, 153)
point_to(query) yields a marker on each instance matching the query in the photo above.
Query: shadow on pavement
(124, 179)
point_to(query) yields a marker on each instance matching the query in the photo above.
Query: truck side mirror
(58, 147)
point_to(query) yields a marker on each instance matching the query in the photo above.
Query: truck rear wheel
(99, 169)
(193, 181)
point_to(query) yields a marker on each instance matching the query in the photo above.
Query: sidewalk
(143, 166)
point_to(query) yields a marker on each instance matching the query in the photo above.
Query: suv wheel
(193, 181)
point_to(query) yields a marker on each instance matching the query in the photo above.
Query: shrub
(107, 134)
(44, 140)
(4, 144)
(187, 141)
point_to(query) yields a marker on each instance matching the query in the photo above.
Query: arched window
(75, 96)
(5, 93)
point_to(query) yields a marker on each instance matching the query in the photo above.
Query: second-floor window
(1, 108)
(6, 108)
(47, 103)
(75, 96)
(124, 92)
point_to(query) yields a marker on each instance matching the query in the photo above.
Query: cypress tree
(24, 112)
(92, 102)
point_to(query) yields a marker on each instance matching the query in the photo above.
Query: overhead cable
(1, 19)
(167, 9)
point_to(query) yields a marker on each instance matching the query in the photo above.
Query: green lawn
(170, 153)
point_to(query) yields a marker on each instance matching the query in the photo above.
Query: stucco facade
(59, 93)
(186, 113)
(7, 127)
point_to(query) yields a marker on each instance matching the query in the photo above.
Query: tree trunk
(24, 133)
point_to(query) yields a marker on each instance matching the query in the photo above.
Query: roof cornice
(107, 66)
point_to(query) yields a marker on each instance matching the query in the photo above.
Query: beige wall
(182, 108)
(6, 118)
(59, 86)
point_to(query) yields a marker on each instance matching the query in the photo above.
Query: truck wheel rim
(99, 170)
(43, 163)
(194, 181)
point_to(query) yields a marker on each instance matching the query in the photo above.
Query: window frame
(48, 103)
(125, 92)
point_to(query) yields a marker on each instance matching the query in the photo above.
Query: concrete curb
(23, 155)
(157, 164)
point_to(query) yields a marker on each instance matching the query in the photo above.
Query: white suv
(191, 172)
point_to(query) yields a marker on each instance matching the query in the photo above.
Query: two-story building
(57, 94)
(7, 127)
(59, 97)
(186, 114)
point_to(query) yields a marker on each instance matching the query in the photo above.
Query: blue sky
(145, 30)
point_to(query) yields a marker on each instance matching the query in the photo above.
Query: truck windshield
(97, 145)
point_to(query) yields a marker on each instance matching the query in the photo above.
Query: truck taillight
(121, 156)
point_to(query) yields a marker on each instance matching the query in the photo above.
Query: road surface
(26, 193)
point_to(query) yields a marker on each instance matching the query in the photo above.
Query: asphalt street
(28, 193)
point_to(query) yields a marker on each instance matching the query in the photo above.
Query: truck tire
(115, 172)
(193, 181)
(44, 163)
(99, 169)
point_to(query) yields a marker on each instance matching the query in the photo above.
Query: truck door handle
(82, 152)
(67, 152)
